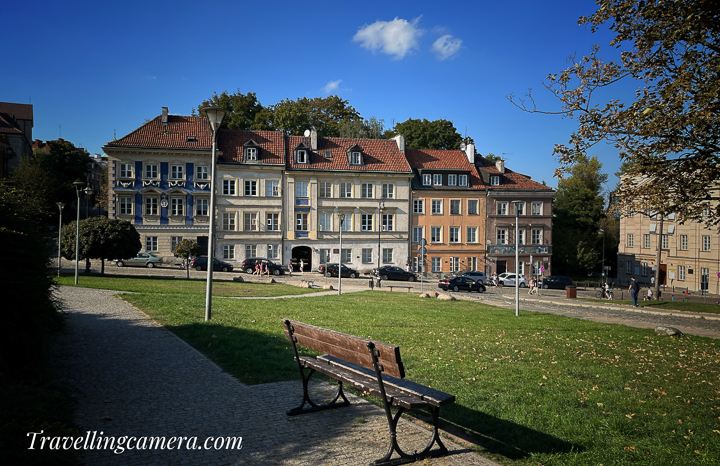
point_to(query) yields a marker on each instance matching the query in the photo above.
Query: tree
(424, 134)
(578, 209)
(241, 110)
(101, 238)
(371, 128)
(492, 157)
(186, 249)
(670, 131)
(324, 114)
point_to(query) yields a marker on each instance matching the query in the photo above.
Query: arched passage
(303, 253)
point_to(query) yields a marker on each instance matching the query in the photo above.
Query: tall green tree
(186, 249)
(371, 128)
(101, 238)
(325, 114)
(425, 134)
(671, 51)
(241, 110)
(578, 208)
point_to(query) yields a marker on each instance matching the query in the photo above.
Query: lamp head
(88, 191)
(215, 116)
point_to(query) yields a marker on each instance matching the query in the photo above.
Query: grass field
(709, 307)
(535, 390)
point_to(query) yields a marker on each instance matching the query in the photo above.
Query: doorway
(303, 253)
(501, 267)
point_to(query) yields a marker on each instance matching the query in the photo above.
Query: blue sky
(91, 69)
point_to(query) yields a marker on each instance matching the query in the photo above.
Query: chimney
(500, 165)
(470, 152)
(400, 141)
(164, 115)
(313, 139)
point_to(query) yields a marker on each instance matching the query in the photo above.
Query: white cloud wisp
(397, 37)
(332, 86)
(446, 47)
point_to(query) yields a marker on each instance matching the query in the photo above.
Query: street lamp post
(341, 219)
(78, 187)
(517, 260)
(602, 231)
(215, 116)
(88, 192)
(60, 205)
(380, 209)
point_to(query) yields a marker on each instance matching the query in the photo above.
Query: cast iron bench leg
(425, 453)
(315, 407)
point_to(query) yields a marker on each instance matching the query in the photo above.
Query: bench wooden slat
(427, 394)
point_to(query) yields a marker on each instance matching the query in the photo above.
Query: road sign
(423, 242)
(542, 269)
(423, 251)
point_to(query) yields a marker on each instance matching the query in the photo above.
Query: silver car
(143, 259)
(508, 279)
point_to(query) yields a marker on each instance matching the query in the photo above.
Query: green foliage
(371, 128)
(101, 238)
(323, 114)
(492, 157)
(424, 134)
(186, 249)
(241, 110)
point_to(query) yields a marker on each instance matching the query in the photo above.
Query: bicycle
(603, 295)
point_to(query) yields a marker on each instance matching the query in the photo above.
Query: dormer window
(495, 180)
(427, 180)
(437, 179)
(355, 155)
(191, 139)
(463, 180)
(355, 158)
(302, 156)
(252, 151)
(452, 180)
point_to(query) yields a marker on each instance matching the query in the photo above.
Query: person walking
(634, 289)
(650, 294)
(290, 269)
(302, 266)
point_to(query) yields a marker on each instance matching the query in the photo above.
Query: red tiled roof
(18, 111)
(378, 155)
(513, 180)
(440, 159)
(174, 135)
(6, 126)
(272, 149)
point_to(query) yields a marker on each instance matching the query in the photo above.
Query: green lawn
(710, 307)
(537, 390)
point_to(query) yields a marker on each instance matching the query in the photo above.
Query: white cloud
(332, 86)
(446, 47)
(397, 37)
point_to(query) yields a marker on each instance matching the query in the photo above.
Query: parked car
(557, 282)
(142, 259)
(461, 283)
(477, 276)
(200, 263)
(332, 271)
(390, 272)
(250, 263)
(508, 279)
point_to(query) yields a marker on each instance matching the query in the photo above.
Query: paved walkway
(132, 377)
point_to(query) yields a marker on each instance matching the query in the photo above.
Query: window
(472, 206)
(151, 206)
(520, 206)
(272, 188)
(176, 206)
(502, 236)
(250, 221)
(324, 256)
(229, 251)
(201, 207)
(177, 172)
(628, 267)
(630, 241)
(228, 187)
(302, 156)
(346, 224)
(125, 170)
(536, 208)
(201, 173)
(417, 264)
(630, 214)
(325, 189)
(273, 222)
(427, 180)
(228, 221)
(454, 234)
(435, 234)
(251, 154)
(435, 264)
(706, 212)
(345, 189)
(125, 206)
(301, 189)
(452, 180)
(301, 222)
(436, 206)
(250, 250)
(495, 180)
(471, 236)
(463, 180)
(706, 243)
(151, 243)
(251, 187)
(537, 237)
(681, 272)
(644, 269)
(388, 191)
(455, 207)
(174, 241)
(366, 191)
(366, 222)
(665, 241)
(325, 221)
(387, 222)
(521, 236)
(418, 206)
(151, 171)
(346, 255)
(355, 158)
(472, 263)
(502, 208)
(273, 251)
(366, 256)
(683, 242)
(437, 179)
(417, 234)
(454, 264)
(387, 257)
(646, 240)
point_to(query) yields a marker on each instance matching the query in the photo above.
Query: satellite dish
(307, 133)
(462, 146)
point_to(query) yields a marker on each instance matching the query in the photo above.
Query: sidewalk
(132, 377)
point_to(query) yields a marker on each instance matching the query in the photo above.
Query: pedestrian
(650, 294)
(407, 267)
(302, 266)
(606, 290)
(290, 269)
(652, 281)
(633, 289)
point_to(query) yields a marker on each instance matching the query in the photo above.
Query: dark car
(332, 271)
(477, 276)
(461, 283)
(390, 272)
(556, 282)
(200, 263)
(250, 263)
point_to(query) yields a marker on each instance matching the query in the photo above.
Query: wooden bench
(372, 367)
(408, 288)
